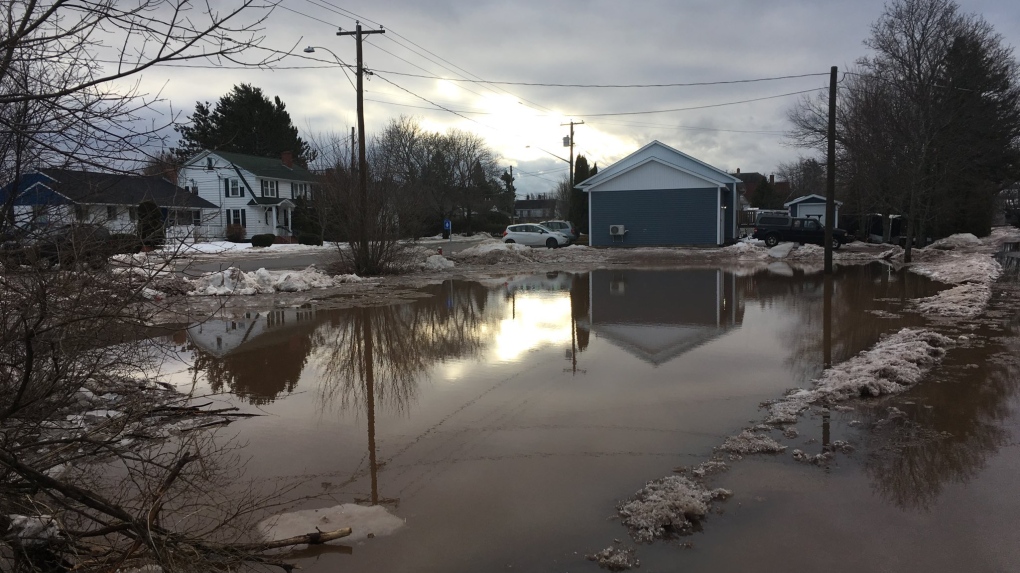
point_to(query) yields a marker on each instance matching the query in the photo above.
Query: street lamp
(549, 153)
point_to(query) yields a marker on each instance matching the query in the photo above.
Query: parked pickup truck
(774, 229)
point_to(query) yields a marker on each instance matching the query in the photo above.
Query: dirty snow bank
(31, 530)
(234, 281)
(669, 506)
(747, 442)
(957, 241)
(494, 252)
(962, 301)
(364, 521)
(971, 271)
(893, 365)
(615, 558)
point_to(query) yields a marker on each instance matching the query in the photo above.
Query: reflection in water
(396, 345)
(947, 429)
(255, 355)
(849, 318)
(659, 315)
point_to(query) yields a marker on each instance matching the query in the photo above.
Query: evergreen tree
(244, 120)
(579, 199)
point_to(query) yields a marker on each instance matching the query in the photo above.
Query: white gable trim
(631, 168)
(623, 165)
(806, 197)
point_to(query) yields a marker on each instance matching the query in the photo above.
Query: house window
(235, 217)
(208, 164)
(133, 213)
(234, 187)
(301, 191)
(285, 214)
(111, 213)
(269, 188)
(79, 213)
(196, 218)
(192, 186)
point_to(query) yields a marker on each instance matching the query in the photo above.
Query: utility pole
(354, 158)
(570, 143)
(830, 174)
(358, 33)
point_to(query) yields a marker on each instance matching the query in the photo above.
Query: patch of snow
(893, 365)
(667, 506)
(817, 459)
(957, 241)
(437, 263)
(962, 301)
(957, 268)
(781, 251)
(748, 442)
(363, 521)
(32, 530)
(234, 281)
(615, 558)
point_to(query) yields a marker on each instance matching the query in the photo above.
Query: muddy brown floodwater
(504, 421)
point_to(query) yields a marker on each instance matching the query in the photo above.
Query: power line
(693, 107)
(553, 85)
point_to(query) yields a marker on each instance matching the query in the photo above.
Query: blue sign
(446, 224)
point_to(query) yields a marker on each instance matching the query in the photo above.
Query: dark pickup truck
(774, 229)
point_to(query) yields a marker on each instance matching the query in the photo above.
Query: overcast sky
(542, 41)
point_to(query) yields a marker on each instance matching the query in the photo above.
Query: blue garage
(658, 196)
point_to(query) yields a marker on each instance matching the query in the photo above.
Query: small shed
(811, 206)
(660, 196)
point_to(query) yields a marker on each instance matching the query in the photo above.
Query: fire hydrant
(440, 250)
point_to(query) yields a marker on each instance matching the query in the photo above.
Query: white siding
(654, 176)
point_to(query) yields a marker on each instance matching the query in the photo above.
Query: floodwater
(504, 421)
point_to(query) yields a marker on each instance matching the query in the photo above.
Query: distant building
(534, 210)
(661, 196)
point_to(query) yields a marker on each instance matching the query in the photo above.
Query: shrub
(236, 233)
(263, 240)
(309, 239)
(125, 243)
(150, 224)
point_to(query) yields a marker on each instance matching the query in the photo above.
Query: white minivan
(534, 236)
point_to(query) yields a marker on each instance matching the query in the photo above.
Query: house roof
(265, 167)
(60, 186)
(661, 153)
(814, 198)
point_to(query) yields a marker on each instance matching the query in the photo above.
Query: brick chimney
(772, 179)
(738, 171)
(288, 158)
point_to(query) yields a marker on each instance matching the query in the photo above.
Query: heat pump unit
(617, 230)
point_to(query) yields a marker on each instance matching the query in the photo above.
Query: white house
(256, 193)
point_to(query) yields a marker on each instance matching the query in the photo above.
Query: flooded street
(505, 420)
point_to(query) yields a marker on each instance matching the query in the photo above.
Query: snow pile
(437, 263)
(493, 252)
(615, 558)
(364, 521)
(971, 272)
(749, 248)
(957, 268)
(781, 251)
(668, 506)
(747, 442)
(957, 241)
(31, 530)
(962, 301)
(893, 365)
(807, 251)
(817, 459)
(234, 281)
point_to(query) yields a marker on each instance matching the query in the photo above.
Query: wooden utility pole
(830, 174)
(571, 145)
(358, 33)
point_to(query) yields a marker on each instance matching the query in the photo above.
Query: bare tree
(905, 134)
(101, 467)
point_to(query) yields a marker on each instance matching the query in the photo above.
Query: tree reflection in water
(378, 355)
(952, 424)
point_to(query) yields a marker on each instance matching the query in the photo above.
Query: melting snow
(893, 365)
(32, 529)
(667, 506)
(363, 521)
(747, 442)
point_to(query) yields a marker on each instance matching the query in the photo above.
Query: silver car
(534, 236)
